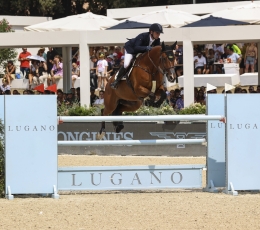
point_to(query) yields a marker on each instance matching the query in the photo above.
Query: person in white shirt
(235, 58)
(101, 71)
(100, 101)
(200, 63)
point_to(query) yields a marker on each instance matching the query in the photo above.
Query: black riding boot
(119, 76)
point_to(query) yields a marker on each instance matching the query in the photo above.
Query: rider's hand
(148, 48)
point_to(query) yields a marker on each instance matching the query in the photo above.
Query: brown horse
(146, 79)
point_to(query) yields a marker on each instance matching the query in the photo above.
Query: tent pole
(188, 73)
(84, 70)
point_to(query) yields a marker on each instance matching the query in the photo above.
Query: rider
(142, 43)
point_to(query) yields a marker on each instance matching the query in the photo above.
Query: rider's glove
(148, 48)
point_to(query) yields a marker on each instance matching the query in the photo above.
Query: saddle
(130, 67)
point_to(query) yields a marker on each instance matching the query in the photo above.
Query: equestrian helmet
(156, 27)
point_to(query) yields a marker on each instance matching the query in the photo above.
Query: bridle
(161, 68)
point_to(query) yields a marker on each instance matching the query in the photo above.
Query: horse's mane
(155, 50)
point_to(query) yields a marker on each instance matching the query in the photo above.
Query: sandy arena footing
(168, 209)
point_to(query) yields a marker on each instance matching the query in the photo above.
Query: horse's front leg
(163, 96)
(102, 131)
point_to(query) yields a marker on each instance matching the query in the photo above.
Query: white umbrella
(36, 57)
(167, 18)
(247, 13)
(86, 21)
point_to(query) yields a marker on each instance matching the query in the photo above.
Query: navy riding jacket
(139, 44)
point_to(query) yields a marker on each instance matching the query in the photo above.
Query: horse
(146, 79)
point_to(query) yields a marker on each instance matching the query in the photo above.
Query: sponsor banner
(130, 177)
(135, 131)
(243, 146)
(216, 149)
(31, 143)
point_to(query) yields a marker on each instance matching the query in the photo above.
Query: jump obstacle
(31, 166)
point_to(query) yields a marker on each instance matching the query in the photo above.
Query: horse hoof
(100, 135)
(119, 128)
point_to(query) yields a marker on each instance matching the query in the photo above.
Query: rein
(158, 68)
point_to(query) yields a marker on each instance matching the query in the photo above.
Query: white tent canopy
(80, 22)
(247, 13)
(167, 18)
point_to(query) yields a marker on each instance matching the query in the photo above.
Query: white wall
(198, 9)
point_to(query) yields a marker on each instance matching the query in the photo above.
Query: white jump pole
(141, 118)
(132, 142)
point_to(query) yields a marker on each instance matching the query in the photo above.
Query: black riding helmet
(156, 27)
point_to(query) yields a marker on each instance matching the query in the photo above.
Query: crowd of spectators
(105, 62)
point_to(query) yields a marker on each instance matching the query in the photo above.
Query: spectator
(4, 86)
(229, 91)
(178, 64)
(210, 61)
(180, 102)
(93, 96)
(111, 50)
(25, 92)
(200, 63)
(251, 89)
(15, 92)
(235, 58)
(78, 95)
(258, 89)
(93, 68)
(244, 91)
(10, 72)
(173, 97)
(34, 70)
(100, 101)
(118, 52)
(102, 50)
(57, 70)
(235, 49)
(212, 91)
(50, 57)
(200, 97)
(25, 62)
(70, 98)
(218, 51)
(110, 70)
(101, 71)
(44, 55)
(74, 73)
(7, 92)
(42, 75)
(237, 90)
(60, 98)
(250, 57)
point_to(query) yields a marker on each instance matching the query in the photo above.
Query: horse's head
(167, 59)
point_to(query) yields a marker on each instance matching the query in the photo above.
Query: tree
(7, 53)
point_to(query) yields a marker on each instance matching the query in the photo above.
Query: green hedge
(165, 109)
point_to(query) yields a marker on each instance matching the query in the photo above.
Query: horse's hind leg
(126, 106)
(118, 125)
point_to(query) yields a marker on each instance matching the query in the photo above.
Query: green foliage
(196, 108)
(63, 8)
(76, 110)
(2, 161)
(146, 110)
(6, 54)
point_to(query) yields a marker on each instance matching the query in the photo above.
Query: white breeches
(127, 60)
